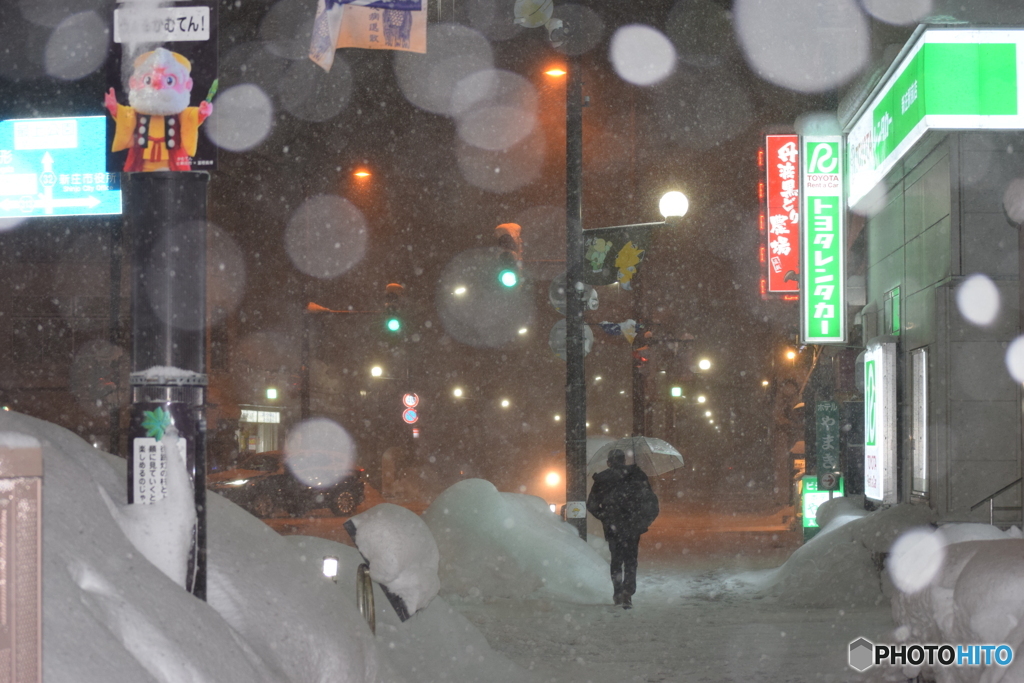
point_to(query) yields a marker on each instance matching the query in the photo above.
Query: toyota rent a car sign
(823, 236)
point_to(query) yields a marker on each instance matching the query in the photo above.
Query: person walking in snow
(623, 500)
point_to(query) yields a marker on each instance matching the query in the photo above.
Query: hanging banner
(367, 24)
(782, 195)
(162, 82)
(613, 255)
(823, 240)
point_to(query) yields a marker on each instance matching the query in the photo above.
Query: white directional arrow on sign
(47, 203)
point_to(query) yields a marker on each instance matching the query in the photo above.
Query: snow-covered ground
(511, 606)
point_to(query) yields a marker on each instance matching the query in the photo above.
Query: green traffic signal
(393, 324)
(508, 278)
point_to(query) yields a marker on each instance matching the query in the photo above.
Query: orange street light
(362, 173)
(556, 72)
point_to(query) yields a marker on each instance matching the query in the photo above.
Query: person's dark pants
(625, 548)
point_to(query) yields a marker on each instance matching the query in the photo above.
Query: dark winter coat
(623, 500)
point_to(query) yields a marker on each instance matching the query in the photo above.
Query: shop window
(892, 311)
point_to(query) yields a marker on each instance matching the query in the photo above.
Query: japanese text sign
(880, 420)
(949, 79)
(56, 167)
(826, 437)
(823, 240)
(782, 192)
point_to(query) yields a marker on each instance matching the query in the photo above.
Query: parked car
(263, 484)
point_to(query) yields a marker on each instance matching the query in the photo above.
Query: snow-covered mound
(401, 551)
(961, 583)
(110, 616)
(841, 565)
(511, 545)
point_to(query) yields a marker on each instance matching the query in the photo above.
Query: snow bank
(162, 531)
(401, 551)
(435, 644)
(971, 590)
(510, 545)
(111, 616)
(840, 566)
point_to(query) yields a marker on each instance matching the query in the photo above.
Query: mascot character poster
(164, 86)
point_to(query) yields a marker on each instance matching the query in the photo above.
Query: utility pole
(575, 378)
(165, 214)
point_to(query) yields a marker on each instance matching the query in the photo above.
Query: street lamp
(673, 206)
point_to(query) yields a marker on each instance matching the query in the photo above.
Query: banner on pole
(367, 24)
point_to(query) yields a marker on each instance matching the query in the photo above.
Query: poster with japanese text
(162, 82)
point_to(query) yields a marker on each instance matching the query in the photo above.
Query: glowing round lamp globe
(533, 13)
(673, 204)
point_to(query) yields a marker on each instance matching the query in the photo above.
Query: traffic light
(510, 255)
(393, 322)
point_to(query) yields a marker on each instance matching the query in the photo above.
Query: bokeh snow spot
(474, 308)
(915, 559)
(502, 170)
(898, 12)
(77, 47)
(225, 274)
(641, 54)
(9, 223)
(803, 45)
(496, 109)
(242, 118)
(326, 236)
(1015, 359)
(1013, 201)
(429, 81)
(319, 452)
(977, 298)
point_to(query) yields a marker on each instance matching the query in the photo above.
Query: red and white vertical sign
(782, 193)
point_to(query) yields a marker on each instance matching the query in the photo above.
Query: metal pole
(575, 384)
(165, 214)
(304, 371)
(640, 341)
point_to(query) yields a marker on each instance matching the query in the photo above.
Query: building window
(919, 420)
(892, 311)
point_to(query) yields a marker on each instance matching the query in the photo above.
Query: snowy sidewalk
(688, 624)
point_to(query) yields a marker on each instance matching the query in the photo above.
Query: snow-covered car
(263, 484)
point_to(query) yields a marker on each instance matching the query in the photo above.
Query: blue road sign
(56, 167)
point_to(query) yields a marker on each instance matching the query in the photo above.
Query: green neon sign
(951, 79)
(812, 498)
(823, 240)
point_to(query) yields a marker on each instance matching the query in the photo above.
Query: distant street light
(376, 371)
(505, 403)
(704, 364)
(701, 399)
(457, 392)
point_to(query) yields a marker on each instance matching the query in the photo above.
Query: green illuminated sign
(811, 498)
(822, 240)
(951, 79)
